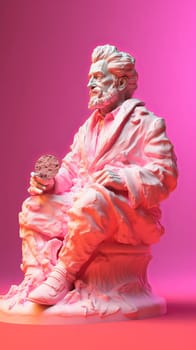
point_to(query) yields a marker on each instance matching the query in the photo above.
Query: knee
(92, 211)
(89, 197)
(31, 203)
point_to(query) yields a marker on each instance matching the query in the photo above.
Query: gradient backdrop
(45, 48)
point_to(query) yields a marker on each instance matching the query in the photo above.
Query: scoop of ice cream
(47, 166)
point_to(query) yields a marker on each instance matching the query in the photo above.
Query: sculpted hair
(121, 64)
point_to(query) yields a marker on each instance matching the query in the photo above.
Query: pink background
(45, 55)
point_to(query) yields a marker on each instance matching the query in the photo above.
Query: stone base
(72, 314)
(111, 287)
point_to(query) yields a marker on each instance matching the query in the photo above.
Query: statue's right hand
(39, 185)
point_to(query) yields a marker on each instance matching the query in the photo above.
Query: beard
(104, 99)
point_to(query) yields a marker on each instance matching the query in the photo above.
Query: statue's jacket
(135, 146)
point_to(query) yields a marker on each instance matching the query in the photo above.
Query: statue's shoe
(52, 290)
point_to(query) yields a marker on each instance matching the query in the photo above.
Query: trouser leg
(43, 226)
(92, 220)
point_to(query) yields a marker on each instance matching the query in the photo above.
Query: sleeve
(151, 182)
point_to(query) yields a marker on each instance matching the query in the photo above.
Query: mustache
(95, 91)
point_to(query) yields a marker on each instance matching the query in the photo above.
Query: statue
(86, 232)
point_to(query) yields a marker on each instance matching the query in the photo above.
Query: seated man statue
(104, 201)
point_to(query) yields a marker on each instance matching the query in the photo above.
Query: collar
(108, 116)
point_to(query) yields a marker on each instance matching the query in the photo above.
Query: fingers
(107, 177)
(37, 184)
(34, 191)
(110, 180)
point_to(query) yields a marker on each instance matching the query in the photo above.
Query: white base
(30, 313)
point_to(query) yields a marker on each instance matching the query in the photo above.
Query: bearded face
(104, 94)
(100, 99)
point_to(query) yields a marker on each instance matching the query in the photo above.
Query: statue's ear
(122, 83)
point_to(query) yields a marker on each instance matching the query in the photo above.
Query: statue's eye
(98, 76)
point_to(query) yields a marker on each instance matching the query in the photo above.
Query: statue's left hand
(109, 179)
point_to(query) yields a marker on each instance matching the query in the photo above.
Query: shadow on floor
(182, 309)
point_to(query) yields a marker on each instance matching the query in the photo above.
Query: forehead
(98, 67)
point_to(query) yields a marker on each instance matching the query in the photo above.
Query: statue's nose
(91, 83)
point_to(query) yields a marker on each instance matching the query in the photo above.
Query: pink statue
(86, 232)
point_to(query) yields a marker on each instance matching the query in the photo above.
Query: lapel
(120, 119)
